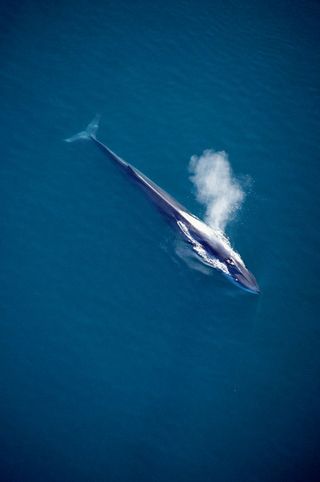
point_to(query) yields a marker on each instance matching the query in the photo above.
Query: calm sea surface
(118, 361)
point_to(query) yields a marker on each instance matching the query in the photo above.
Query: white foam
(199, 249)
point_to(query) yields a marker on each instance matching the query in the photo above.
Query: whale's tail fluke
(89, 133)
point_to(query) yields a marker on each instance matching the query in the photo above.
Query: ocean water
(119, 360)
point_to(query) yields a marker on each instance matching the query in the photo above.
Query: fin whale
(212, 247)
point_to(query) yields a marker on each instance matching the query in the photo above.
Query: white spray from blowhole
(216, 187)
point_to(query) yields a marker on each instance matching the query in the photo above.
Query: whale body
(211, 246)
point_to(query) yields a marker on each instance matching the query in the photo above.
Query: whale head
(241, 275)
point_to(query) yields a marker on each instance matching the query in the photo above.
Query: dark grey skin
(212, 249)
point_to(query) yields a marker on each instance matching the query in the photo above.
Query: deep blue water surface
(118, 361)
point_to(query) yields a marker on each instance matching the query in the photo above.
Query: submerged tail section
(88, 133)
